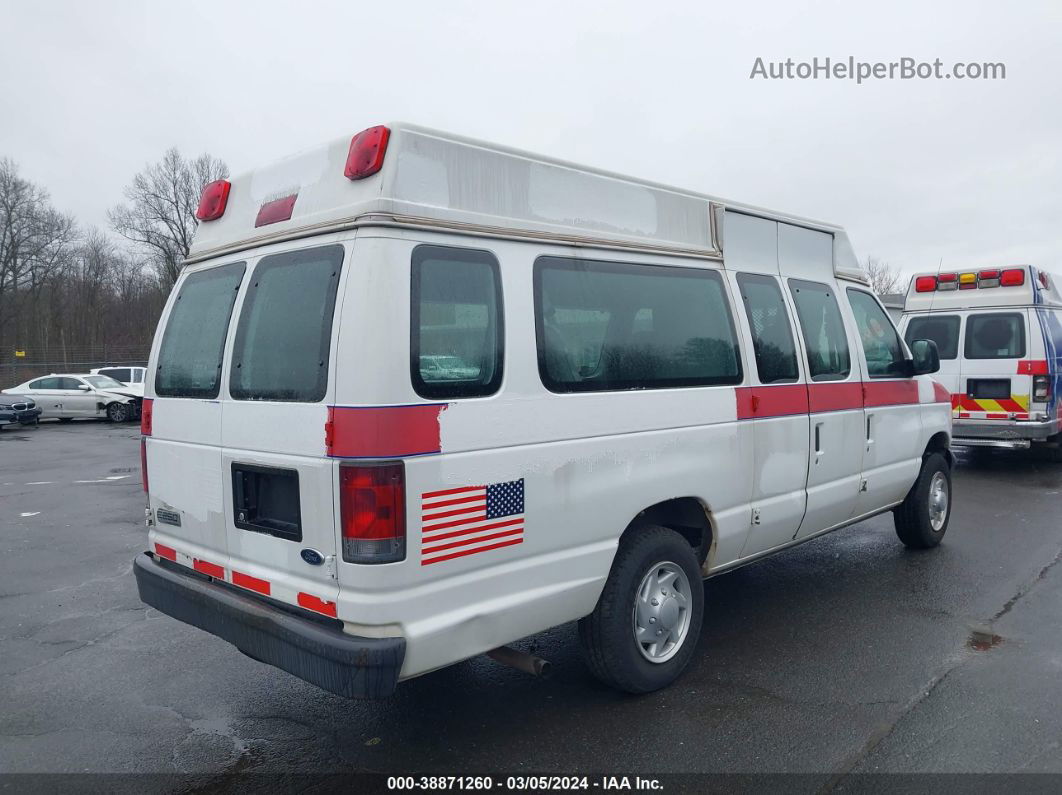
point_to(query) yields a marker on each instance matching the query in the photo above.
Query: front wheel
(644, 630)
(118, 412)
(922, 518)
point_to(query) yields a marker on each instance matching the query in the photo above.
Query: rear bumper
(343, 664)
(1002, 430)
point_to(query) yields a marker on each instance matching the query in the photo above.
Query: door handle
(870, 436)
(818, 438)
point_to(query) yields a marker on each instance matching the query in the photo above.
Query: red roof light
(366, 153)
(925, 284)
(212, 202)
(1012, 277)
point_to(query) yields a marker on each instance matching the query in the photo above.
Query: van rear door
(945, 329)
(994, 383)
(183, 450)
(277, 480)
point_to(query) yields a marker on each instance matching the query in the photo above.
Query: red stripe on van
(1033, 367)
(250, 583)
(771, 401)
(383, 431)
(164, 551)
(941, 394)
(835, 397)
(311, 602)
(208, 568)
(890, 393)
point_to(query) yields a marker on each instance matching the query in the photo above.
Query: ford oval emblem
(312, 556)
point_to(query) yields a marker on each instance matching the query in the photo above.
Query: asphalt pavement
(846, 655)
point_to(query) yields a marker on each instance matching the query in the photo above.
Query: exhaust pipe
(521, 661)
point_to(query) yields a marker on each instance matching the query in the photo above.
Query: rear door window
(193, 343)
(823, 330)
(45, 383)
(942, 329)
(285, 329)
(776, 359)
(456, 322)
(995, 336)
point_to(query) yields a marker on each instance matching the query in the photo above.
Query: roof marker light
(1012, 277)
(925, 284)
(366, 153)
(948, 281)
(213, 200)
(967, 281)
(989, 278)
(276, 210)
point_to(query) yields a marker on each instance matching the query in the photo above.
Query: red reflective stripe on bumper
(164, 551)
(250, 583)
(311, 602)
(383, 431)
(208, 568)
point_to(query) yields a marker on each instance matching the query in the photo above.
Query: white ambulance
(415, 397)
(999, 337)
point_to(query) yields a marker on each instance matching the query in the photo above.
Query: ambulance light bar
(972, 280)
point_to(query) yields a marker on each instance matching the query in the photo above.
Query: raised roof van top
(431, 178)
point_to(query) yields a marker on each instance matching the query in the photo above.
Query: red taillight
(366, 153)
(143, 464)
(372, 507)
(146, 407)
(1012, 277)
(925, 284)
(212, 202)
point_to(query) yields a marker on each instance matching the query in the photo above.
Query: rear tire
(644, 630)
(922, 518)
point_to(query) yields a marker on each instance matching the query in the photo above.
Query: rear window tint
(285, 329)
(776, 359)
(456, 315)
(45, 383)
(612, 325)
(193, 343)
(995, 336)
(943, 330)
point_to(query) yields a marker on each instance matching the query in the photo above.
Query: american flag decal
(470, 519)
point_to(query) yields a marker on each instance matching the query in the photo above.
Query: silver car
(66, 397)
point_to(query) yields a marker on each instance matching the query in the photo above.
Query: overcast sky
(919, 171)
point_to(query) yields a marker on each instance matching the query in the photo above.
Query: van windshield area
(285, 328)
(943, 330)
(995, 336)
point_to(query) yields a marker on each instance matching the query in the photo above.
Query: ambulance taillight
(1012, 277)
(372, 508)
(1042, 388)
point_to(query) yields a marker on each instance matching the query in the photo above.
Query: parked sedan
(18, 410)
(65, 397)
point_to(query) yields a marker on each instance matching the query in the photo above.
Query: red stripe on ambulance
(250, 583)
(311, 602)
(164, 551)
(208, 568)
(383, 431)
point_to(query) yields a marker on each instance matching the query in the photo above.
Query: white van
(415, 397)
(999, 337)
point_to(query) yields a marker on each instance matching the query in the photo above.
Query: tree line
(73, 296)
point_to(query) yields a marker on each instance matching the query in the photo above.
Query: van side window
(610, 325)
(456, 341)
(776, 359)
(823, 330)
(995, 336)
(189, 363)
(942, 329)
(881, 343)
(285, 330)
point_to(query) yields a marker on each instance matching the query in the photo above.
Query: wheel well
(687, 516)
(940, 443)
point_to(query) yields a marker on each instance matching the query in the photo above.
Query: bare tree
(35, 238)
(159, 213)
(884, 278)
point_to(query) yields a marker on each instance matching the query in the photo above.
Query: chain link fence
(15, 370)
